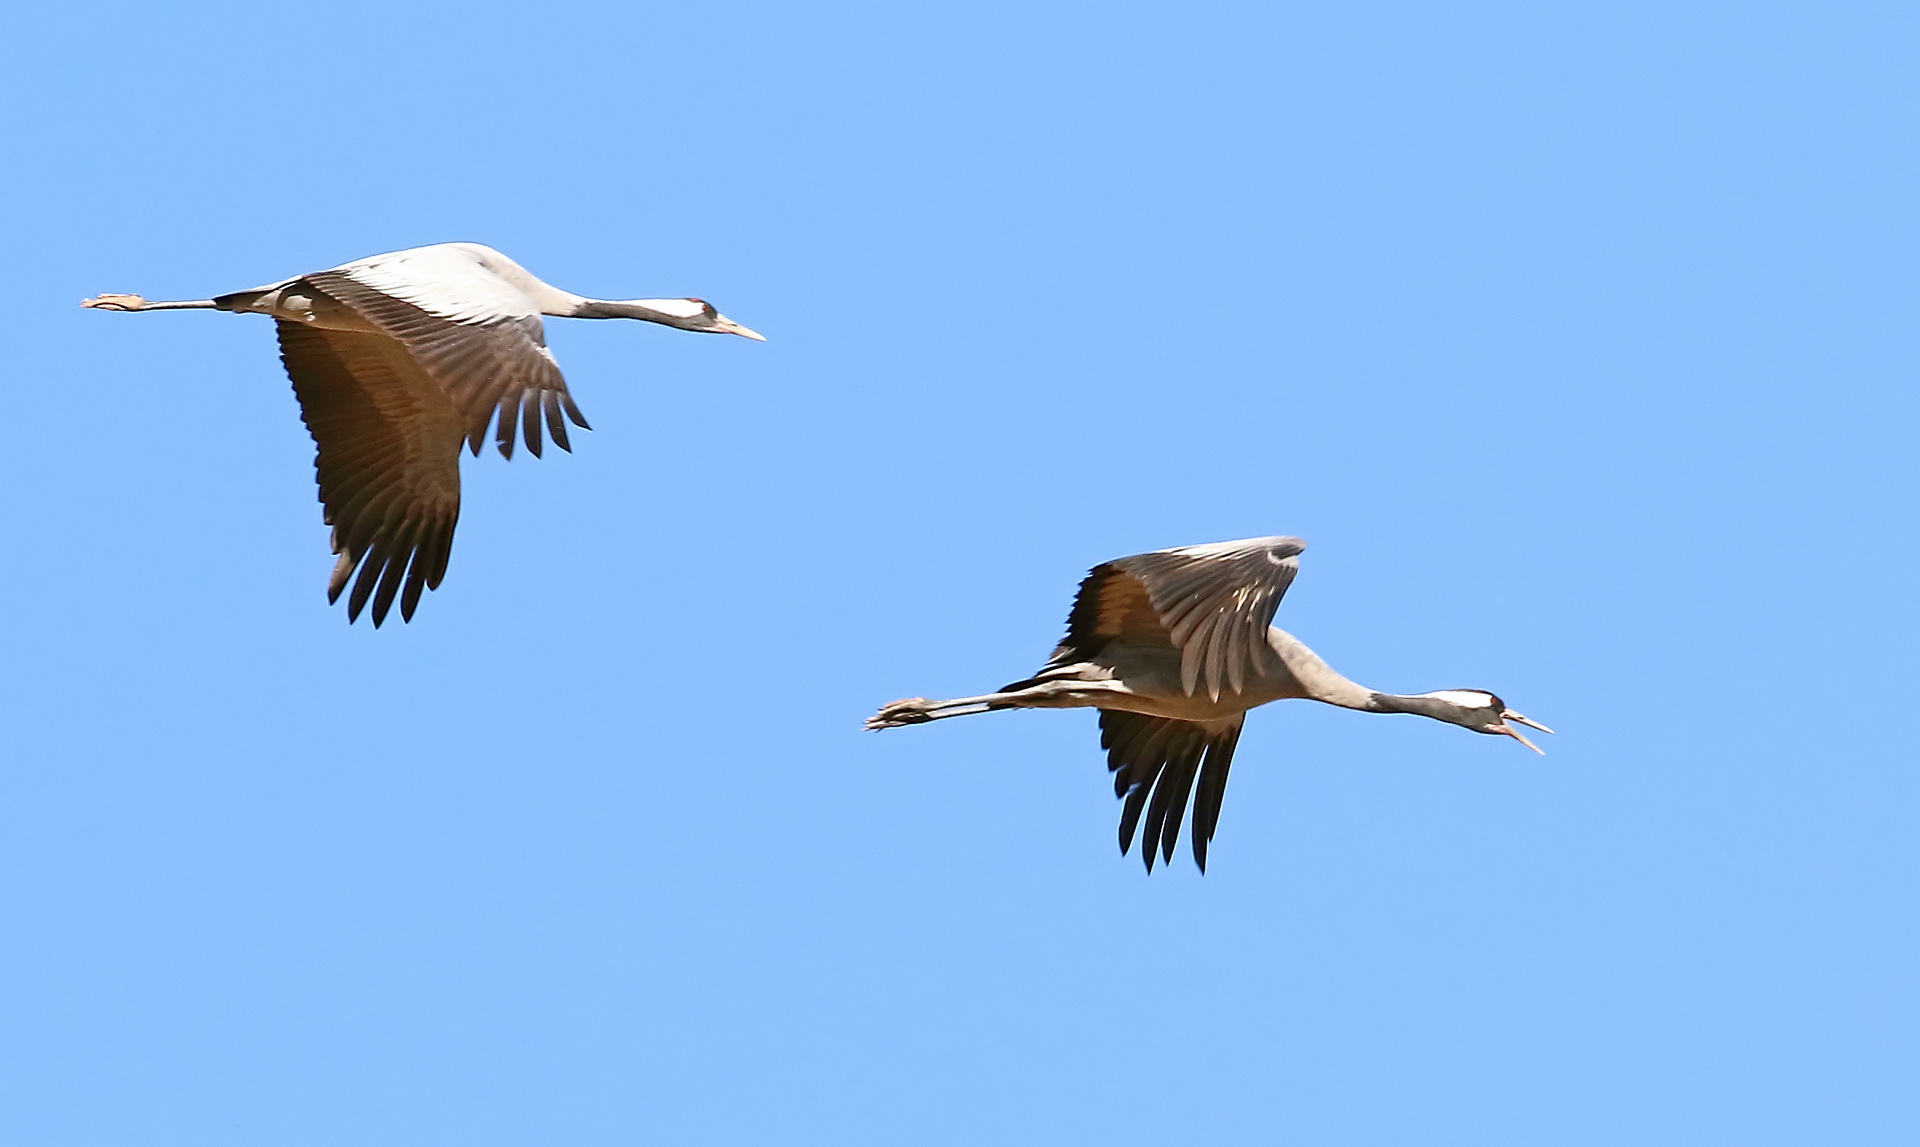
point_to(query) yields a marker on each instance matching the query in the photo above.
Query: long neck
(1321, 683)
(1397, 703)
(647, 310)
(550, 299)
(553, 301)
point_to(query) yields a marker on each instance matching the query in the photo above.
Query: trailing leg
(1046, 695)
(136, 303)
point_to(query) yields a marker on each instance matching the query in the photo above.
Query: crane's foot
(115, 303)
(911, 711)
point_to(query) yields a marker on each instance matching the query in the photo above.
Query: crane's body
(400, 359)
(463, 283)
(1145, 678)
(1174, 647)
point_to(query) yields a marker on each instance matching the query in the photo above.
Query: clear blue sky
(1578, 339)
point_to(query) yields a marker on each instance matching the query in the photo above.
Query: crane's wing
(478, 337)
(1213, 603)
(388, 461)
(1155, 762)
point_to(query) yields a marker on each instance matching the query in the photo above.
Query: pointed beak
(1510, 715)
(1509, 730)
(730, 327)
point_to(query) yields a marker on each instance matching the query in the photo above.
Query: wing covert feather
(1213, 603)
(490, 366)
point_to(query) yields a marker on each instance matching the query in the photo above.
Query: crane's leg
(136, 303)
(1046, 695)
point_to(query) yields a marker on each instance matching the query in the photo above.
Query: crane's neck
(565, 304)
(1425, 706)
(1321, 682)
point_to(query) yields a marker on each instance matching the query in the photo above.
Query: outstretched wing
(1213, 603)
(1155, 763)
(474, 335)
(388, 461)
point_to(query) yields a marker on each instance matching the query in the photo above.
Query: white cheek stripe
(1464, 697)
(678, 308)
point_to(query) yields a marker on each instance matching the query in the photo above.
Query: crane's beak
(728, 326)
(1517, 735)
(1509, 730)
(1510, 715)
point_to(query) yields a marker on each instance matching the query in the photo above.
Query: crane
(399, 359)
(1173, 647)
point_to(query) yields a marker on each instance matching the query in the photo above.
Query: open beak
(1509, 730)
(733, 328)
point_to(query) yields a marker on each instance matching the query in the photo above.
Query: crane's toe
(910, 711)
(115, 302)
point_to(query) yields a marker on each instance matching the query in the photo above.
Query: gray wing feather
(1217, 602)
(490, 369)
(1213, 603)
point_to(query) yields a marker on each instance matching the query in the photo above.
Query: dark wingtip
(573, 412)
(530, 421)
(556, 421)
(410, 596)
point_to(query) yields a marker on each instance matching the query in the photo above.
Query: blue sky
(1577, 339)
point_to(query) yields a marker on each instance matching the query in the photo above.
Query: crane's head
(690, 315)
(1480, 711)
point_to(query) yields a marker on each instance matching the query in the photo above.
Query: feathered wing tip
(1155, 763)
(520, 415)
(406, 561)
